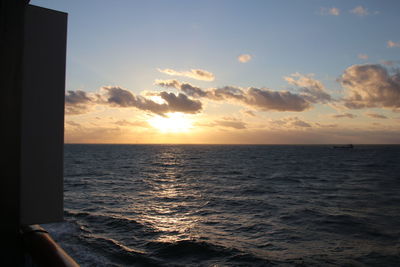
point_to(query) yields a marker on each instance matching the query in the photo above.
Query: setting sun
(172, 123)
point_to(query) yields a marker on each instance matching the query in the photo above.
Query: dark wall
(11, 53)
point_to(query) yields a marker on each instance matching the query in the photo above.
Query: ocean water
(201, 205)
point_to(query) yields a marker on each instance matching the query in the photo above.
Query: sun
(171, 123)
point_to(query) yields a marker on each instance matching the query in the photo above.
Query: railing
(43, 249)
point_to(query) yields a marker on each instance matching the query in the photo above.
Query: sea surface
(224, 205)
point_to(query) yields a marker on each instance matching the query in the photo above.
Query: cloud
(265, 99)
(231, 123)
(311, 89)
(334, 11)
(119, 97)
(226, 123)
(73, 124)
(326, 125)
(291, 122)
(197, 74)
(261, 99)
(393, 44)
(76, 102)
(376, 116)
(130, 123)
(187, 88)
(360, 11)
(390, 63)
(345, 115)
(363, 56)
(249, 112)
(371, 85)
(181, 103)
(244, 58)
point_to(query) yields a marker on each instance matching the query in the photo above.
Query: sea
(231, 205)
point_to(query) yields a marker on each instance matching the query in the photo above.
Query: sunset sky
(232, 72)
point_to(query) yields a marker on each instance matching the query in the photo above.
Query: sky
(232, 72)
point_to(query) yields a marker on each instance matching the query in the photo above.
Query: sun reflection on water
(171, 209)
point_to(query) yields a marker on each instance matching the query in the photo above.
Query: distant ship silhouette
(344, 146)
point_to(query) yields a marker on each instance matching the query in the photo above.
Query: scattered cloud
(334, 11)
(261, 99)
(344, 115)
(244, 58)
(311, 89)
(371, 85)
(393, 44)
(360, 11)
(119, 97)
(376, 116)
(76, 102)
(291, 122)
(363, 56)
(196, 74)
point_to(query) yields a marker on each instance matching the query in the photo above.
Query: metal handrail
(43, 249)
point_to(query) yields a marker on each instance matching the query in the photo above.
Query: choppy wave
(231, 206)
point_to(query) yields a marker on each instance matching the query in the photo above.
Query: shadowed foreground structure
(33, 50)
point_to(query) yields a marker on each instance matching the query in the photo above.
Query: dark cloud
(371, 85)
(275, 100)
(181, 103)
(262, 99)
(119, 97)
(345, 115)
(76, 97)
(76, 102)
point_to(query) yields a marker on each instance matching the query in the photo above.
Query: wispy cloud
(244, 58)
(230, 123)
(249, 113)
(344, 115)
(371, 85)
(334, 11)
(360, 11)
(225, 123)
(73, 124)
(362, 56)
(393, 44)
(132, 123)
(196, 74)
(376, 116)
(390, 63)
(291, 122)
